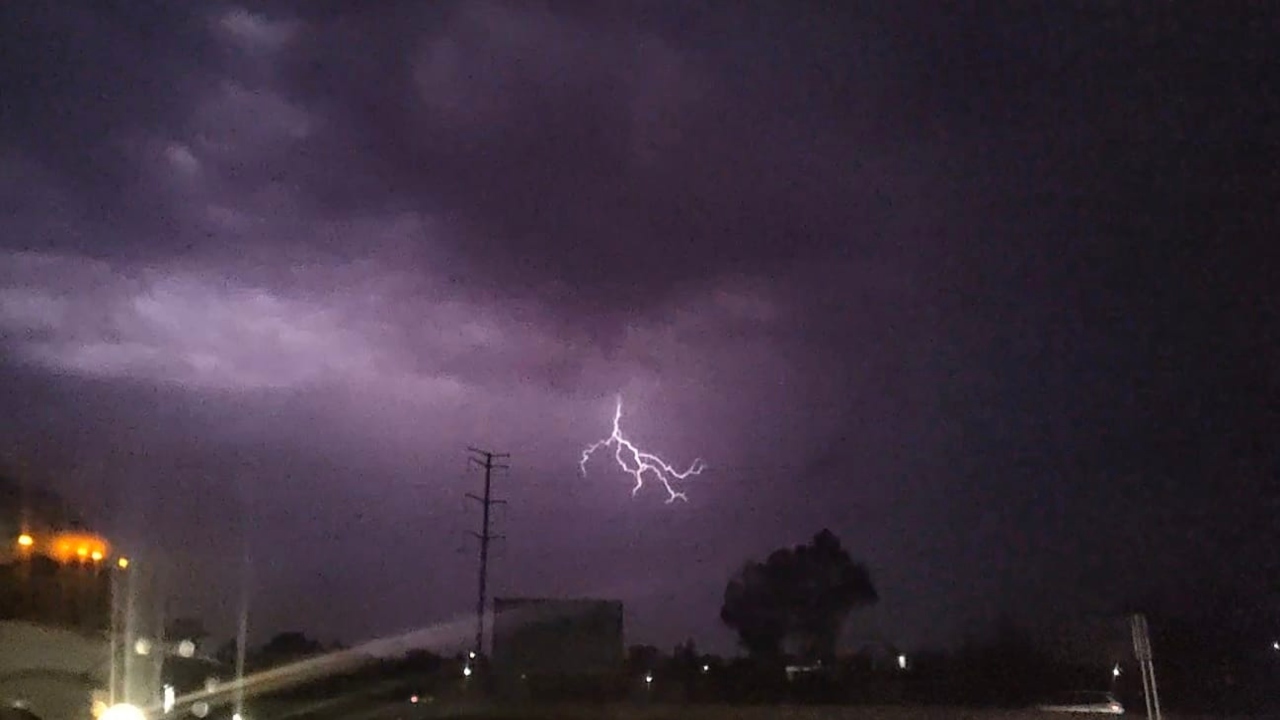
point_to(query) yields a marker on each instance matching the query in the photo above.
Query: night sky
(990, 294)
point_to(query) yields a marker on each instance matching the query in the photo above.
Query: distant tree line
(789, 610)
(1217, 649)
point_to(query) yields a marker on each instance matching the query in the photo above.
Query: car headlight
(98, 703)
(123, 711)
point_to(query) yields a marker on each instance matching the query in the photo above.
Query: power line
(484, 459)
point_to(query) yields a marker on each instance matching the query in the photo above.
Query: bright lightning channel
(637, 462)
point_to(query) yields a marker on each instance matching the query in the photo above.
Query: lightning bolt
(637, 462)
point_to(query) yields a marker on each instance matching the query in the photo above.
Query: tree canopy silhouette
(802, 594)
(185, 628)
(287, 647)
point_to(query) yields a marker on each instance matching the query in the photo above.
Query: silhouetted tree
(185, 628)
(643, 658)
(686, 654)
(684, 666)
(227, 653)
(803, 594)
(287, 647)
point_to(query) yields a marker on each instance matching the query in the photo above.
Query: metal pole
(160, 611)
(1146, 689)
(1151, 668)
(484, 557)
(1142, 649)
(1135, 631)
(113, 628)
(242, 627)
(484, 536)
(130, 633)
(242, 639)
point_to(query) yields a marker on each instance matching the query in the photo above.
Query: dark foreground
(406, 711)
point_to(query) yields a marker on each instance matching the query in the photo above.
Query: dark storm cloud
(85, 85)
(602, 159)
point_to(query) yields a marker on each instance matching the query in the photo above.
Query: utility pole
(485, 459)
(1142, 649)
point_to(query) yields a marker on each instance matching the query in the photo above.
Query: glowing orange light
(78, 546)
(26, 540)
(123, 563)
(95, 555)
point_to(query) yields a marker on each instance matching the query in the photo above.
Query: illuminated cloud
(207, 332)
(344, 324)
(255, 32)
(184, 328)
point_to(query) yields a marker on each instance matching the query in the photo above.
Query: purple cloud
(266, 269)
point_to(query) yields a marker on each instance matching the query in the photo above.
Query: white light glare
(1115, 671)
(466, 671)
(902, 662)
(123, 711)
(648, 678)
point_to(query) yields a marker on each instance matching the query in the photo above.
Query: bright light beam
(637, 462)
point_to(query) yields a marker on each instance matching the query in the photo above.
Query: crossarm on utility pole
(484, 459)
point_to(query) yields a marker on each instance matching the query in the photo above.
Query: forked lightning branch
(637, 463)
